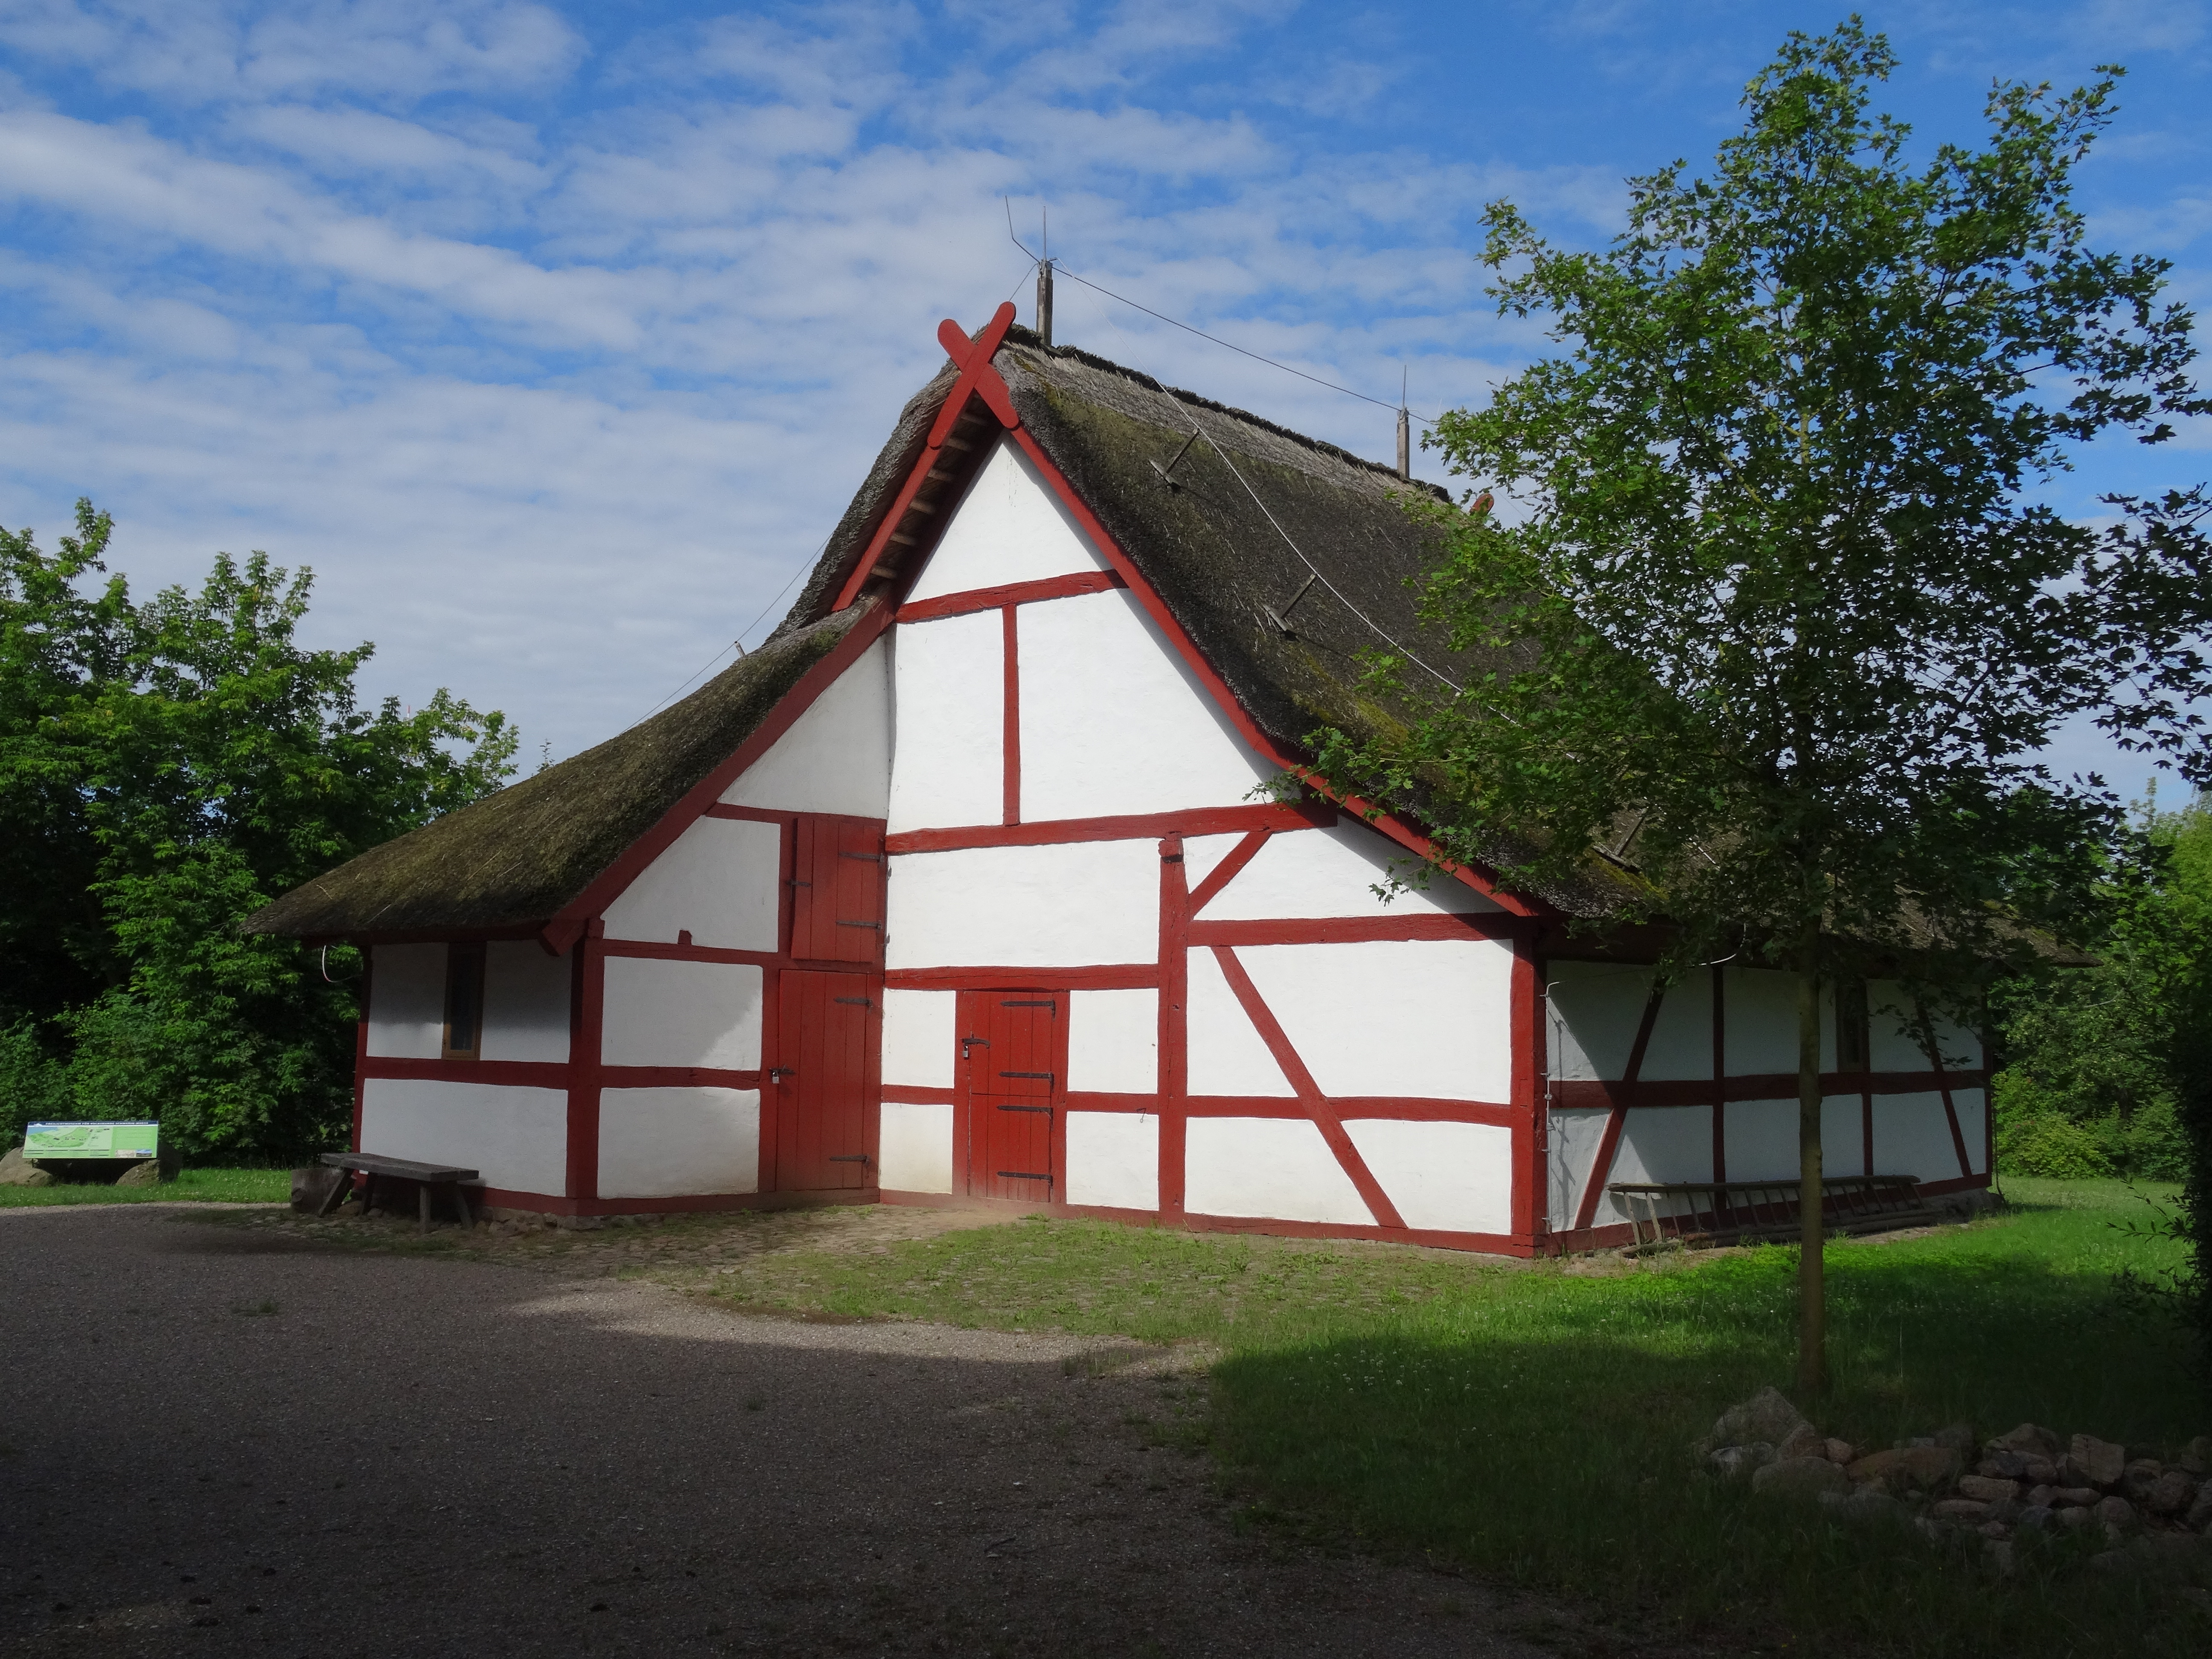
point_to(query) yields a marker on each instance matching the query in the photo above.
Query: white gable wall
(1009, 527)
(718, 880)
(836, 757)
(1075, 902)
(948, 768)
(1317, 873)
(1114, 721)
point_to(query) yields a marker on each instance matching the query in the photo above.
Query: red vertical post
(1010, 806)
(1719, 1073)
(587, 996)
(1175, 974)
(361, 1043)
(1527, 1036)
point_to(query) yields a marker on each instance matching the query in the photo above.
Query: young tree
(167, 768)
(1783, 626)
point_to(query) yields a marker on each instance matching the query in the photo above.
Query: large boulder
(146, 1173)
(1800, 1478)
(312, 1186)
(2102, 1462)
(2028, 1440)
(1908, 1468)
(1767, 1416)
(16, 1170)
(1740, 1463)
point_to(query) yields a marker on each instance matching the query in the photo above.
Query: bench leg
(421, 1207)
(335, 1196)
(367, 1193)
(461, 1204)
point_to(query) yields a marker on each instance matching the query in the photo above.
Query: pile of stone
(2022, 1484)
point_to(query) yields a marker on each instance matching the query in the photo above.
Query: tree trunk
(1812, 1277)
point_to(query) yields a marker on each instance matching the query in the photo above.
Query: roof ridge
(1028, 338)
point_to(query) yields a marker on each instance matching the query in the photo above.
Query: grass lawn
(1534, 1421)
(192, 1186)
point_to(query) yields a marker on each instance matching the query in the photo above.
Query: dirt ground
(233, 1435)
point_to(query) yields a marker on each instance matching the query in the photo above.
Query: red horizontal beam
(1350, 930)
(915, 1094)
(676, 1077)
(750, 814)
(660, 950)
(1398, 1106)
(1117, 976)
(1136, 826)
(1763, 1085)
(996, 598)
(524, 1073)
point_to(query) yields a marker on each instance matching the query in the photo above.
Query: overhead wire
(739, 643)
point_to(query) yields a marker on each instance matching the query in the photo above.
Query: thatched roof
(1254, 511)
(514, 859)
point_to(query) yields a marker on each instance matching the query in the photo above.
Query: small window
(1851, 1044)
(464, 978)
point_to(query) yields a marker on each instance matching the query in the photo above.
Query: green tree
(1775, 622)
(167, 768)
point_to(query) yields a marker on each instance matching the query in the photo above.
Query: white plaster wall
(669, 1143)
(914, 1149)
(1762, 1023)
(1430, 1018)
(1113, 1159)
(1762, 1139)
(1223, 1052)
(1081, 903)
(1973, 1107)
(1912, 1136)
(1330, 872)
(1657, 1143)
(1113, 720)
(682, 1013)
(919, 1038)
(526, 1005)
(1570, 1149)
(721, 879)
(948, 695)
(1200, 853)
(407, 1001)
(1682, 1037)
(1893, 1047)
(1009, 527)
(1452, 1177)
(1593, 1010)
(837, 757)
(514, 1138)
(1278, 1167)
(1113, 1042)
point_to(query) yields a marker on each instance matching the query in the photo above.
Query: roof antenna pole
(1044, 284)
(1405, 430)
(1167, 472)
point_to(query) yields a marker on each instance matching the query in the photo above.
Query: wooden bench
(1714, 1211)
(373, 1168)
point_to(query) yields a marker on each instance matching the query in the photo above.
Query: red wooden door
(1013, 1044)
(821, 1093)
(837, 889)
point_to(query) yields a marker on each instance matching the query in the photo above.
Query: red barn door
(1013, 1046)
(821, 1091)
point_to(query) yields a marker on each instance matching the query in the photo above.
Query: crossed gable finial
(978, 376)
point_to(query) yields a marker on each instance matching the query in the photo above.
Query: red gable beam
(979, 378)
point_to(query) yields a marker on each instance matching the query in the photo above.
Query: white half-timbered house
(962, 888)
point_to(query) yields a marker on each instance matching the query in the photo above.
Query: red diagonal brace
(976, 374)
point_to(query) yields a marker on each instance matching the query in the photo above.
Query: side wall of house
(1253, 1038)
(629, 1074)
(1699, 1084)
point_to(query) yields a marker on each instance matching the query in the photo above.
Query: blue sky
(556, 338)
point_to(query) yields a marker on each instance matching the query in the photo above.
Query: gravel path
(227, 1440)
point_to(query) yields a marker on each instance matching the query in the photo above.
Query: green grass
(1536, 1422)
(192, 1186)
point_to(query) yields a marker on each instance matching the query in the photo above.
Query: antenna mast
(1405, 430)
(1044, 284)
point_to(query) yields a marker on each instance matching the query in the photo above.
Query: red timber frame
(1182, 929)
(1619, 1096)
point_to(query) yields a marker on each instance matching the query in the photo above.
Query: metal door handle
(966, 1043)
(777, 1073)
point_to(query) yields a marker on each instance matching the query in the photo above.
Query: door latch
(777, 1073)
(968, 1042)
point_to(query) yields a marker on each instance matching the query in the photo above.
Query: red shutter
(837, 908)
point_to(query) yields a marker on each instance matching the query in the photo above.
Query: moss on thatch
(516, 858)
